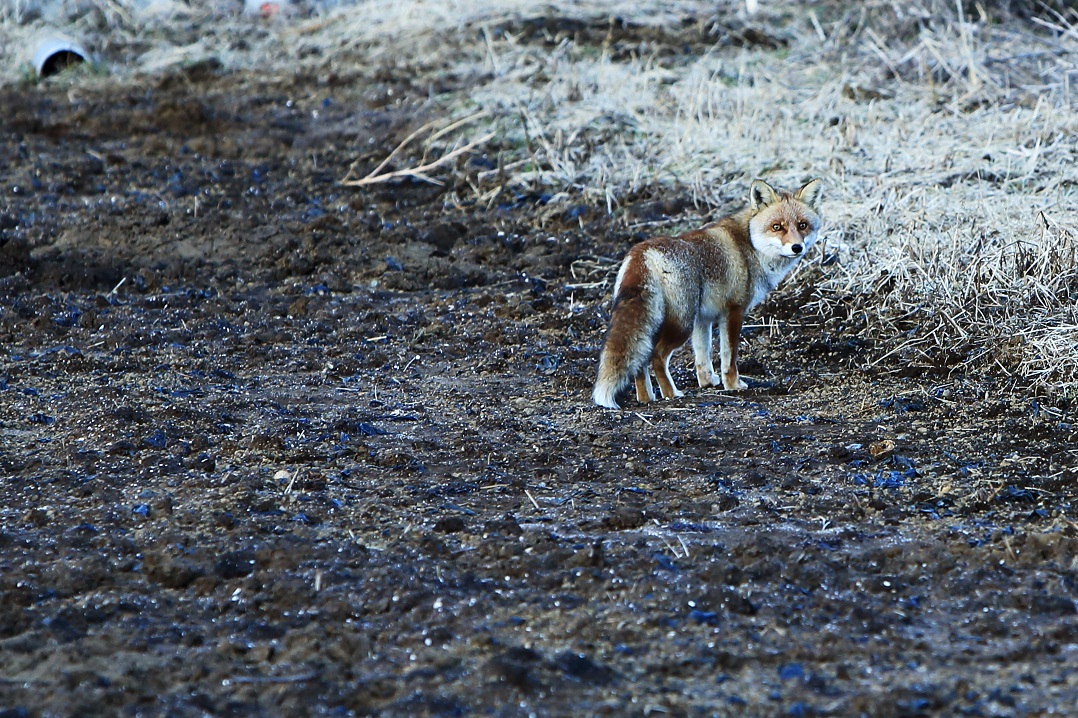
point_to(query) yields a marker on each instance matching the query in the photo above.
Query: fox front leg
(729, 336)
(701, 350)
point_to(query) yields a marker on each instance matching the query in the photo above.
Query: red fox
(671, 288)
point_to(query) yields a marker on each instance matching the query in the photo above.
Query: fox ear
(761, 194)
(810, 192)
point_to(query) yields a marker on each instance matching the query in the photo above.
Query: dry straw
(945, 133)
(947, 142)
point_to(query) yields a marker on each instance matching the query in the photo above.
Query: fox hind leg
(644, 392)
(729, 336)
(660, 363)
(701, 350)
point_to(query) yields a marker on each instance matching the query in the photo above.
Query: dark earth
(274, 446)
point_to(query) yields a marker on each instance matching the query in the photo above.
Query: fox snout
(795, 248)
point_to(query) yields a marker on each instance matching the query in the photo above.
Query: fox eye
(802, 225)
(776, 227)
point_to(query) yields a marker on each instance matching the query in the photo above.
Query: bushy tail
(628, 346)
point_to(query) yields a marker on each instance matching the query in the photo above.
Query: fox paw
(736, 385)
(714, 380)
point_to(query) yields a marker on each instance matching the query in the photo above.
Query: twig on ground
(419, 172)
(261, 680)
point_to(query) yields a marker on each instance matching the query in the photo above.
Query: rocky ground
(274, 446)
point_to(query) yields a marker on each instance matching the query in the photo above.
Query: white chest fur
(774, 269)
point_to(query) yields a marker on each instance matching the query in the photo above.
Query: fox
(669, 289)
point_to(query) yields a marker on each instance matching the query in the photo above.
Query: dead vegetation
(946, 140)
(944, 131)
(945, 134)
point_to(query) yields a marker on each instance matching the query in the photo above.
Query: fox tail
(629, 343)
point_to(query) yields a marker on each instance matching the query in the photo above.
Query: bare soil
(273, 446)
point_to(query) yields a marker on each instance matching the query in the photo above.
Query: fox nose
(797, 248)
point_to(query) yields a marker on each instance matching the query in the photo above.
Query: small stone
(583, 668)
(791, 671)
(881, 449)
(236, 564)
(449, 525)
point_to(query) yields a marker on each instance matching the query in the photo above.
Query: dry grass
(947, 138)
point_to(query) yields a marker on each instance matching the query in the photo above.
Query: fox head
(783, 224)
